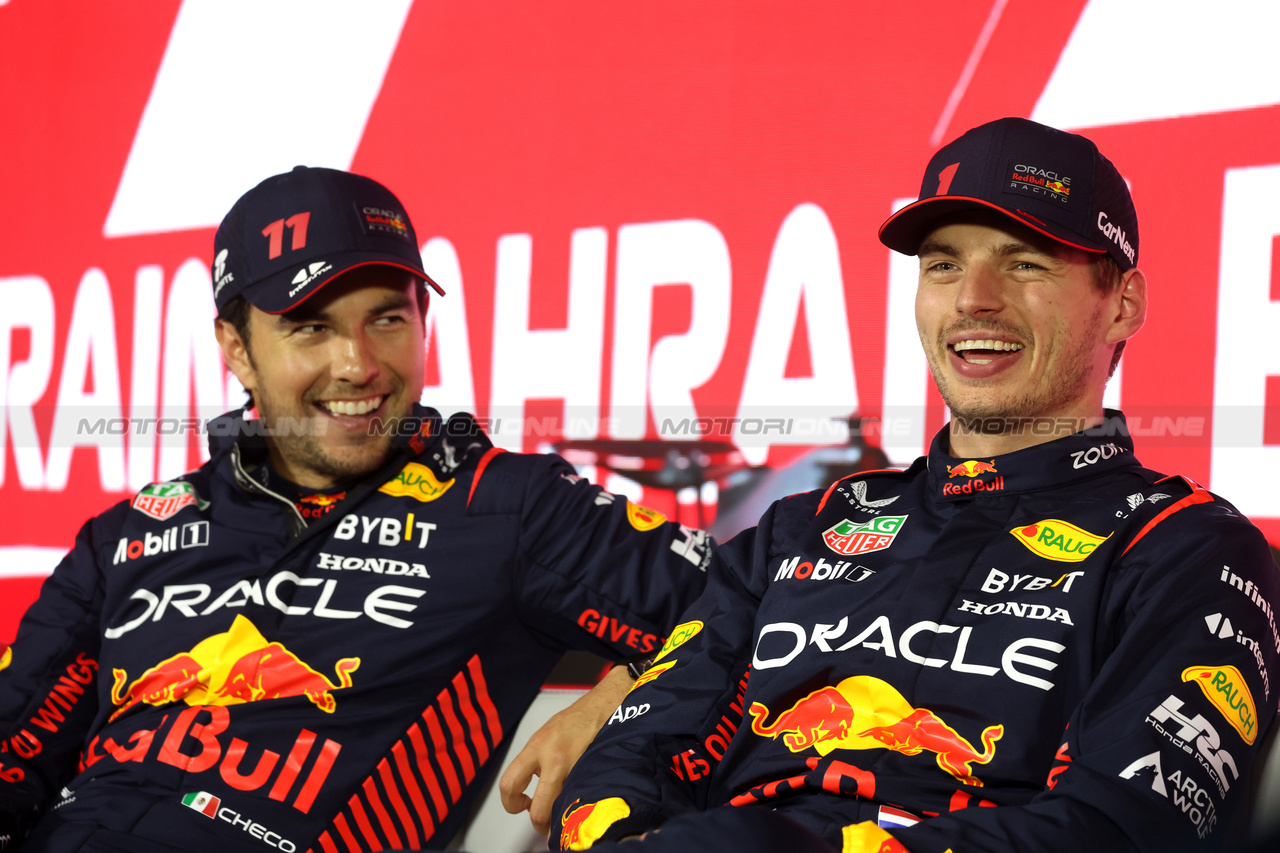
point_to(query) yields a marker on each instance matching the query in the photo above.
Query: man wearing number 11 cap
(324, 637)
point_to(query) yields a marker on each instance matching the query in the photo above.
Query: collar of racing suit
(1078, 456)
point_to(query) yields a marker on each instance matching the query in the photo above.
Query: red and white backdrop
(644, 213)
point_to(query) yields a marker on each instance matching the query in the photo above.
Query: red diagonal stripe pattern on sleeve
(403, 801)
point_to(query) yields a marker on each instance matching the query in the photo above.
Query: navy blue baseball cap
(294, 233)
(1051, 181)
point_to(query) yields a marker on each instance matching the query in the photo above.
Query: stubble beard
(299, 442)
(991, 412)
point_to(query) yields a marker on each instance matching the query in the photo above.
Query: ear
(1130, 302)
(235, 352)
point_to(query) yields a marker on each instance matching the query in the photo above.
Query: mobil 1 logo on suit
(194, 534)
(802, 569)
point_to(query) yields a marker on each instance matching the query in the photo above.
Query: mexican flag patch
(203, 802)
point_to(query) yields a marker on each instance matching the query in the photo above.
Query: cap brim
(272, 294)
(905, 230)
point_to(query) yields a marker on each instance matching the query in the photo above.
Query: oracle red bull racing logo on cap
(230, 668)
(1042, 182)
(161, 501)
(1055, 539)
(850, 537)
(582, 826)
(864, 712)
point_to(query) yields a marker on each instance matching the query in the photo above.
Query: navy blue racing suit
(1054, 649)
(208, 670)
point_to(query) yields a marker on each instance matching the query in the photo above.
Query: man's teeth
(1000, 346)
(352, 407)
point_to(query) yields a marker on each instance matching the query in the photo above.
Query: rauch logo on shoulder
(1225, 687)
(416, 481)
(1059, 540)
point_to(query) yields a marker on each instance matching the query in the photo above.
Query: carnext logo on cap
(1115, 234)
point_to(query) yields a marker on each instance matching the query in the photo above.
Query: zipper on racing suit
(296, 522)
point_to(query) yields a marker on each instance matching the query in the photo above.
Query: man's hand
(553, 749)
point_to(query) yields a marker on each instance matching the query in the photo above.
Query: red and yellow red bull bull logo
(1055, 539)
(322, 500)
(319, 504)
(582, 826)
(230, 668)
(971, 468)
(864, 712)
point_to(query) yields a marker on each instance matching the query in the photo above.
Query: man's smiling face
(1012, 323)
(323, 373)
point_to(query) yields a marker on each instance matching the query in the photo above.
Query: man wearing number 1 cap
(1026, 640)
(324, 637)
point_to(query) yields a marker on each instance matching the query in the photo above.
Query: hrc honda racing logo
(1195, 736)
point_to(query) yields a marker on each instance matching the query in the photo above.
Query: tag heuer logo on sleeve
(203, 802)
(852, 537)
(163, 500)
